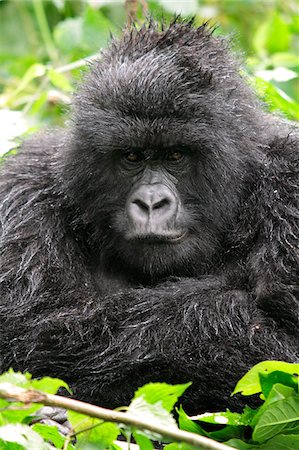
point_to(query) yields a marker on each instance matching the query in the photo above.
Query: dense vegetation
(272, 426)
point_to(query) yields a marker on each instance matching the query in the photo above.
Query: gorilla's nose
(153, 203)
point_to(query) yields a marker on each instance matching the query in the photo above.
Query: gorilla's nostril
(142, 205)
(161, 204)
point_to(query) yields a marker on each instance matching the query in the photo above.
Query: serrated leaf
(280, 417)
(152, 413)
(17, 378)
(250, 383)
(49, 385)
(165, 394)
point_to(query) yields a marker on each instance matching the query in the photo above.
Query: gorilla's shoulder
(34, 160)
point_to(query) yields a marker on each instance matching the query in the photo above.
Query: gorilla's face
(156, 194)
(154, 227)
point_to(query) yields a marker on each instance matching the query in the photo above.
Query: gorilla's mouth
(162, 238)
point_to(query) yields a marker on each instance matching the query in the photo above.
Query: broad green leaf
(152, 413)
(282, 442)
(277, 393)
(241, 445)
(4, 445)
(250, 383)
(92, 430)
(165, 394)
(49, 385)
(266, 39)
(280, 417)
(49, 433)
(267, 381)
(228, 432)
(153, 402)
(24, 436)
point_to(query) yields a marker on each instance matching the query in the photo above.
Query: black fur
(80, 302)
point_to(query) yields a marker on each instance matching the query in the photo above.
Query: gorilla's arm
(180, 331)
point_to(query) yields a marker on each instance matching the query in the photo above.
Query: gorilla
(156, 237)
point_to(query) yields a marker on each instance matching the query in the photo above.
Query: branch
(15, 393)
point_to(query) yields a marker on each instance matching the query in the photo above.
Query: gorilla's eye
(133, 157)
(175, 156)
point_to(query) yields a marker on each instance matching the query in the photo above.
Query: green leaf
(143, 441)
(49, 385)
(280, 417)
(153, 402)
(93, 431)
(68, 34)
(266, 38)
(10, 446)
(221, 418)
(250, 383)
(282, 442)
(49, 433)
(228, 432)
(24, 436)
(185, 423)
(17, 378)
(96, 28)
(267, 381)
(59, 81)
(276, 98)
(152, 413)
(278, 392)
(241, 445)
(35, 71)
(165, 394)
(179, 446)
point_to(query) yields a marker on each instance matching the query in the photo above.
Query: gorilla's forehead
(113, 130)
(152, 86)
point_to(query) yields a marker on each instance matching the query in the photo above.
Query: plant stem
(14, 393)
(44, 28)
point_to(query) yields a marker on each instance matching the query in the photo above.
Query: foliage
(274, 425)
(44, 46)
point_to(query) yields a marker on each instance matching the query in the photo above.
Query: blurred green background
(43, 46)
